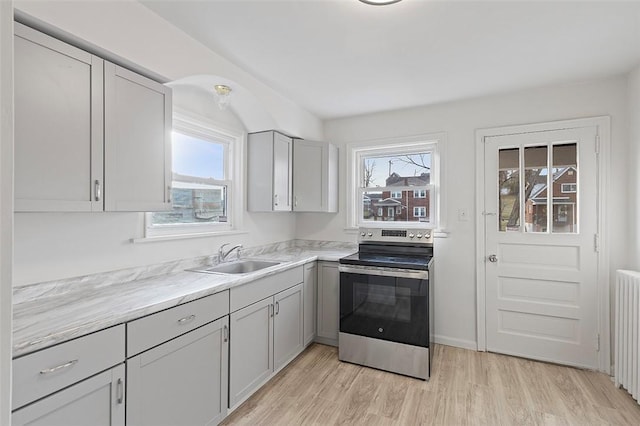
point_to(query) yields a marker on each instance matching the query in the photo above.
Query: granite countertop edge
(39, 324)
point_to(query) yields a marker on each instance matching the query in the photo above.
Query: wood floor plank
(466, 388)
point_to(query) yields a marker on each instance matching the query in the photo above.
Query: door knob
(493, 258)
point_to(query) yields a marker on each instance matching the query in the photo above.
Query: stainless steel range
(386, 302)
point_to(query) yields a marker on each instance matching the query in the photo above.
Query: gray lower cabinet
(96, 401)
(265, 336)
(328, 303)
(181, 382)
(310, 301)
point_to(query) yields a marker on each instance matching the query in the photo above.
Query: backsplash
(29, 292)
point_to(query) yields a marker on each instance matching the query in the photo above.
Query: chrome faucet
(222, 255)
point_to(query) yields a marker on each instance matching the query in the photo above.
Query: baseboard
(459, 343)
(326, 341)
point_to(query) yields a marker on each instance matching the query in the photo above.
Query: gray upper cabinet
(315, 176)
(269, 172)
(137, 142)
(58, 125)
(89, 135)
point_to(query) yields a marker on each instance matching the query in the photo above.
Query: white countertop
(53, 318)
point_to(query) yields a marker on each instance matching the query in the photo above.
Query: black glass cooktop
(387, 260)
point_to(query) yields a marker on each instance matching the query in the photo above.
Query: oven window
(380, 301)
(387, 308)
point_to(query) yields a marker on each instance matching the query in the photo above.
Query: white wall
(51, 246)
(130, 31)
(455, 255)
(634, 169)
(6, 204)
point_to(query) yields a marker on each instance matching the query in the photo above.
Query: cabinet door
(310, 301)
(308, 176)
(328, 303)
(288, 339)
(97, 401)
(181, 382)
(137, 142)
(251, 350)
(58, 125)
(282, 176)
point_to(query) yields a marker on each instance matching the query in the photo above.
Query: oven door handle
(384, 272)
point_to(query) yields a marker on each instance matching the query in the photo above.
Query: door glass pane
(565, 188)
(535, 189)
(509, 189)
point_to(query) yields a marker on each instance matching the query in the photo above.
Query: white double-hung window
(203, 191)
(395, 183)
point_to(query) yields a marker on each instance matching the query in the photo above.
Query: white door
(288, 340)
(541, 235)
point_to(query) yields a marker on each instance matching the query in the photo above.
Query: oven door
(381, 304)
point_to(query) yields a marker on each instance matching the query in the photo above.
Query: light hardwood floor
(466, 388)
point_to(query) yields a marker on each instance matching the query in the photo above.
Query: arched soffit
(244, 105)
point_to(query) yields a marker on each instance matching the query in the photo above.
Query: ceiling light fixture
(379, 2)
(223, 95)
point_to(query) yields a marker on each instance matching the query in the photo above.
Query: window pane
(565, 188)
(197, 157)
(396, 170)
(381, 206)
(509, 189)
(197, 194)
(535, 188)
(194, 205)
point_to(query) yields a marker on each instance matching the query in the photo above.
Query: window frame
(200, 127)
(420, 209)
(574, 185)
(433, 143)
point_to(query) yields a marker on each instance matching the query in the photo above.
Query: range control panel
(396, 235)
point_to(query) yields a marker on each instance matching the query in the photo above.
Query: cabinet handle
(225, 330)
(168, 194)
(275, 198)
(59, 367)
(277, 308)
(271, 310)
(295, 201)
(184, 320)
(120, 391)
(98, 190)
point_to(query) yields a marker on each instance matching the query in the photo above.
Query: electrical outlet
(463, 215)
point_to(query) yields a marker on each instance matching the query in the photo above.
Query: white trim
(603, 125)
(434, 142)
(173, 237)
(452, 341)
(6, 206)
(199, 126)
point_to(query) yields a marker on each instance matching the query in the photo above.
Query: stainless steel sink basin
(239, 267)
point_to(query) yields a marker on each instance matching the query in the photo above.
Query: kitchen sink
(239, 267)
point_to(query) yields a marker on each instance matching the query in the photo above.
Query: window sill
(158, 238)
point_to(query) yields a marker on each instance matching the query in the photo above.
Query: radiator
(627, 332)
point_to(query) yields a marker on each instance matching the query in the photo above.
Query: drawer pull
(185, 320)
(120, 391)
(59, 367)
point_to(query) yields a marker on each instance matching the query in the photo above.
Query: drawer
(150, 331)
(41, 373)
(245, 295)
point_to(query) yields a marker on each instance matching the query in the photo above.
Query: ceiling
(340, 58)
